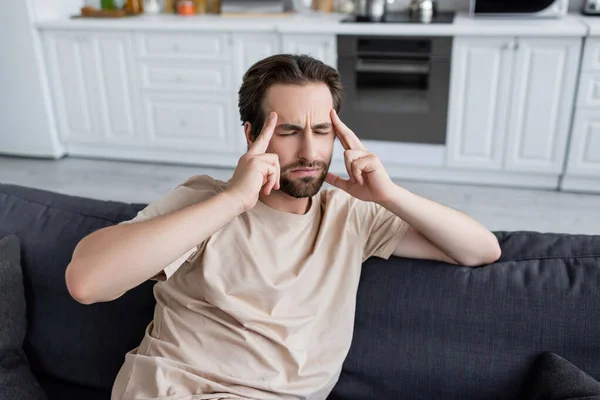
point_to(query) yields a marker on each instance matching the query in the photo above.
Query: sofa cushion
(16, 379)
(57, 389)
(84, 344)
(430, 330)
(554, 378)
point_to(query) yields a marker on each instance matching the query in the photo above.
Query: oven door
(399, 97)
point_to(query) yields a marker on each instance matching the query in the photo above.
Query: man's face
(304, 136)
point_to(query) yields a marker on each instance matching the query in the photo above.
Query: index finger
(348, 138)
(262, 141)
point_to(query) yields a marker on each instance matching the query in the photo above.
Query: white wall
(50, 9)
(27, 125)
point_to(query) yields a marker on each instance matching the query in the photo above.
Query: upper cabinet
(90, 75)
(322, 47)
(511, 102)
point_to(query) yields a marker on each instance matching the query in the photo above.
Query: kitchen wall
(27, 123)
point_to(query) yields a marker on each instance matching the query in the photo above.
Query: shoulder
(195, 189)
(204, 183)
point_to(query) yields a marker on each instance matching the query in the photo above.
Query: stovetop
(404, 17)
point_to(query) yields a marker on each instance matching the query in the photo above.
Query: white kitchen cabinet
(478, 106)
(185, 76)
(90, 74)
(322, 47)
(191, 122)
(591, 55)
(544, 83)
(588, 95)
(511, 103)
(584, 152)
(184, 45)
(249, 48)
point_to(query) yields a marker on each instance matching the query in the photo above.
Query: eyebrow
(293, 127)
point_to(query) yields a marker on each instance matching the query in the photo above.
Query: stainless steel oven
(396, 88)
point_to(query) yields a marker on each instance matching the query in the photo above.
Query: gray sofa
(424, 329)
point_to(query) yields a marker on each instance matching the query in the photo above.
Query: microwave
(519, 8)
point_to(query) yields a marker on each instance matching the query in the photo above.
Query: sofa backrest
(83, 344)
(429, 330)
(423, 330)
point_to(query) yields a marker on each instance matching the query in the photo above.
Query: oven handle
(398, 68)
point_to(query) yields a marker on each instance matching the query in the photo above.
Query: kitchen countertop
(315, 23)
(593, 23)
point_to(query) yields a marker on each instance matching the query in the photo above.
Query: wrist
(234, 201)
(393, 197)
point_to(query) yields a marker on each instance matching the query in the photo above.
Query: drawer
(591, 55)
(195, 45)
(188, 122)
(204, 77)
(589, 90)
(584, 152)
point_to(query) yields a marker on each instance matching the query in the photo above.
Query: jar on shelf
(186, 7)
(213, 6)
(152, 7)
(134, 6)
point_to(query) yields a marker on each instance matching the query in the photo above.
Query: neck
(286, 203)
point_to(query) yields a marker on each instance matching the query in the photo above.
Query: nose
(308, 147)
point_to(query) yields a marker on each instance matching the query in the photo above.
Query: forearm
(459, 236)
(113, 260)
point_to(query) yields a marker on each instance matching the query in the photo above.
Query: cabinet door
(545, 78)
(479, 96)
(249, 48)
(322, 47)
(584, 152)
(118, 91)
(71, 68)
(91, 77)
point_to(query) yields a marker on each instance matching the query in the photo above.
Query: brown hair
(290, 69)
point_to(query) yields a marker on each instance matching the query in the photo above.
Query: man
(257, 298)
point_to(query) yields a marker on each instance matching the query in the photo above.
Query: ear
(248, 133)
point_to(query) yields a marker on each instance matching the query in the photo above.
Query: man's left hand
(369, 180)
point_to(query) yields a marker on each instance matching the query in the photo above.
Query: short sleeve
(195, 190)
(381, 230)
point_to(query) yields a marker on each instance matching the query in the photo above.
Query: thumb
(336, 181)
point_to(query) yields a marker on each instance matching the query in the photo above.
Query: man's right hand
(256, 169)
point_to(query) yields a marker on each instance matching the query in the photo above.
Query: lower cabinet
(160, 96)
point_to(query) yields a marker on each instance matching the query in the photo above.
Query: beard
(306, 186)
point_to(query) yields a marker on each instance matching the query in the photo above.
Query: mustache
(304, 164)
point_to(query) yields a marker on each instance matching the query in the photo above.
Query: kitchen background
(127, 109)
(454, 5)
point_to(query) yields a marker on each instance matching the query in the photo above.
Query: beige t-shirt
(264, 308)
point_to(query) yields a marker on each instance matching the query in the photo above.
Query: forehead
(297, 102)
